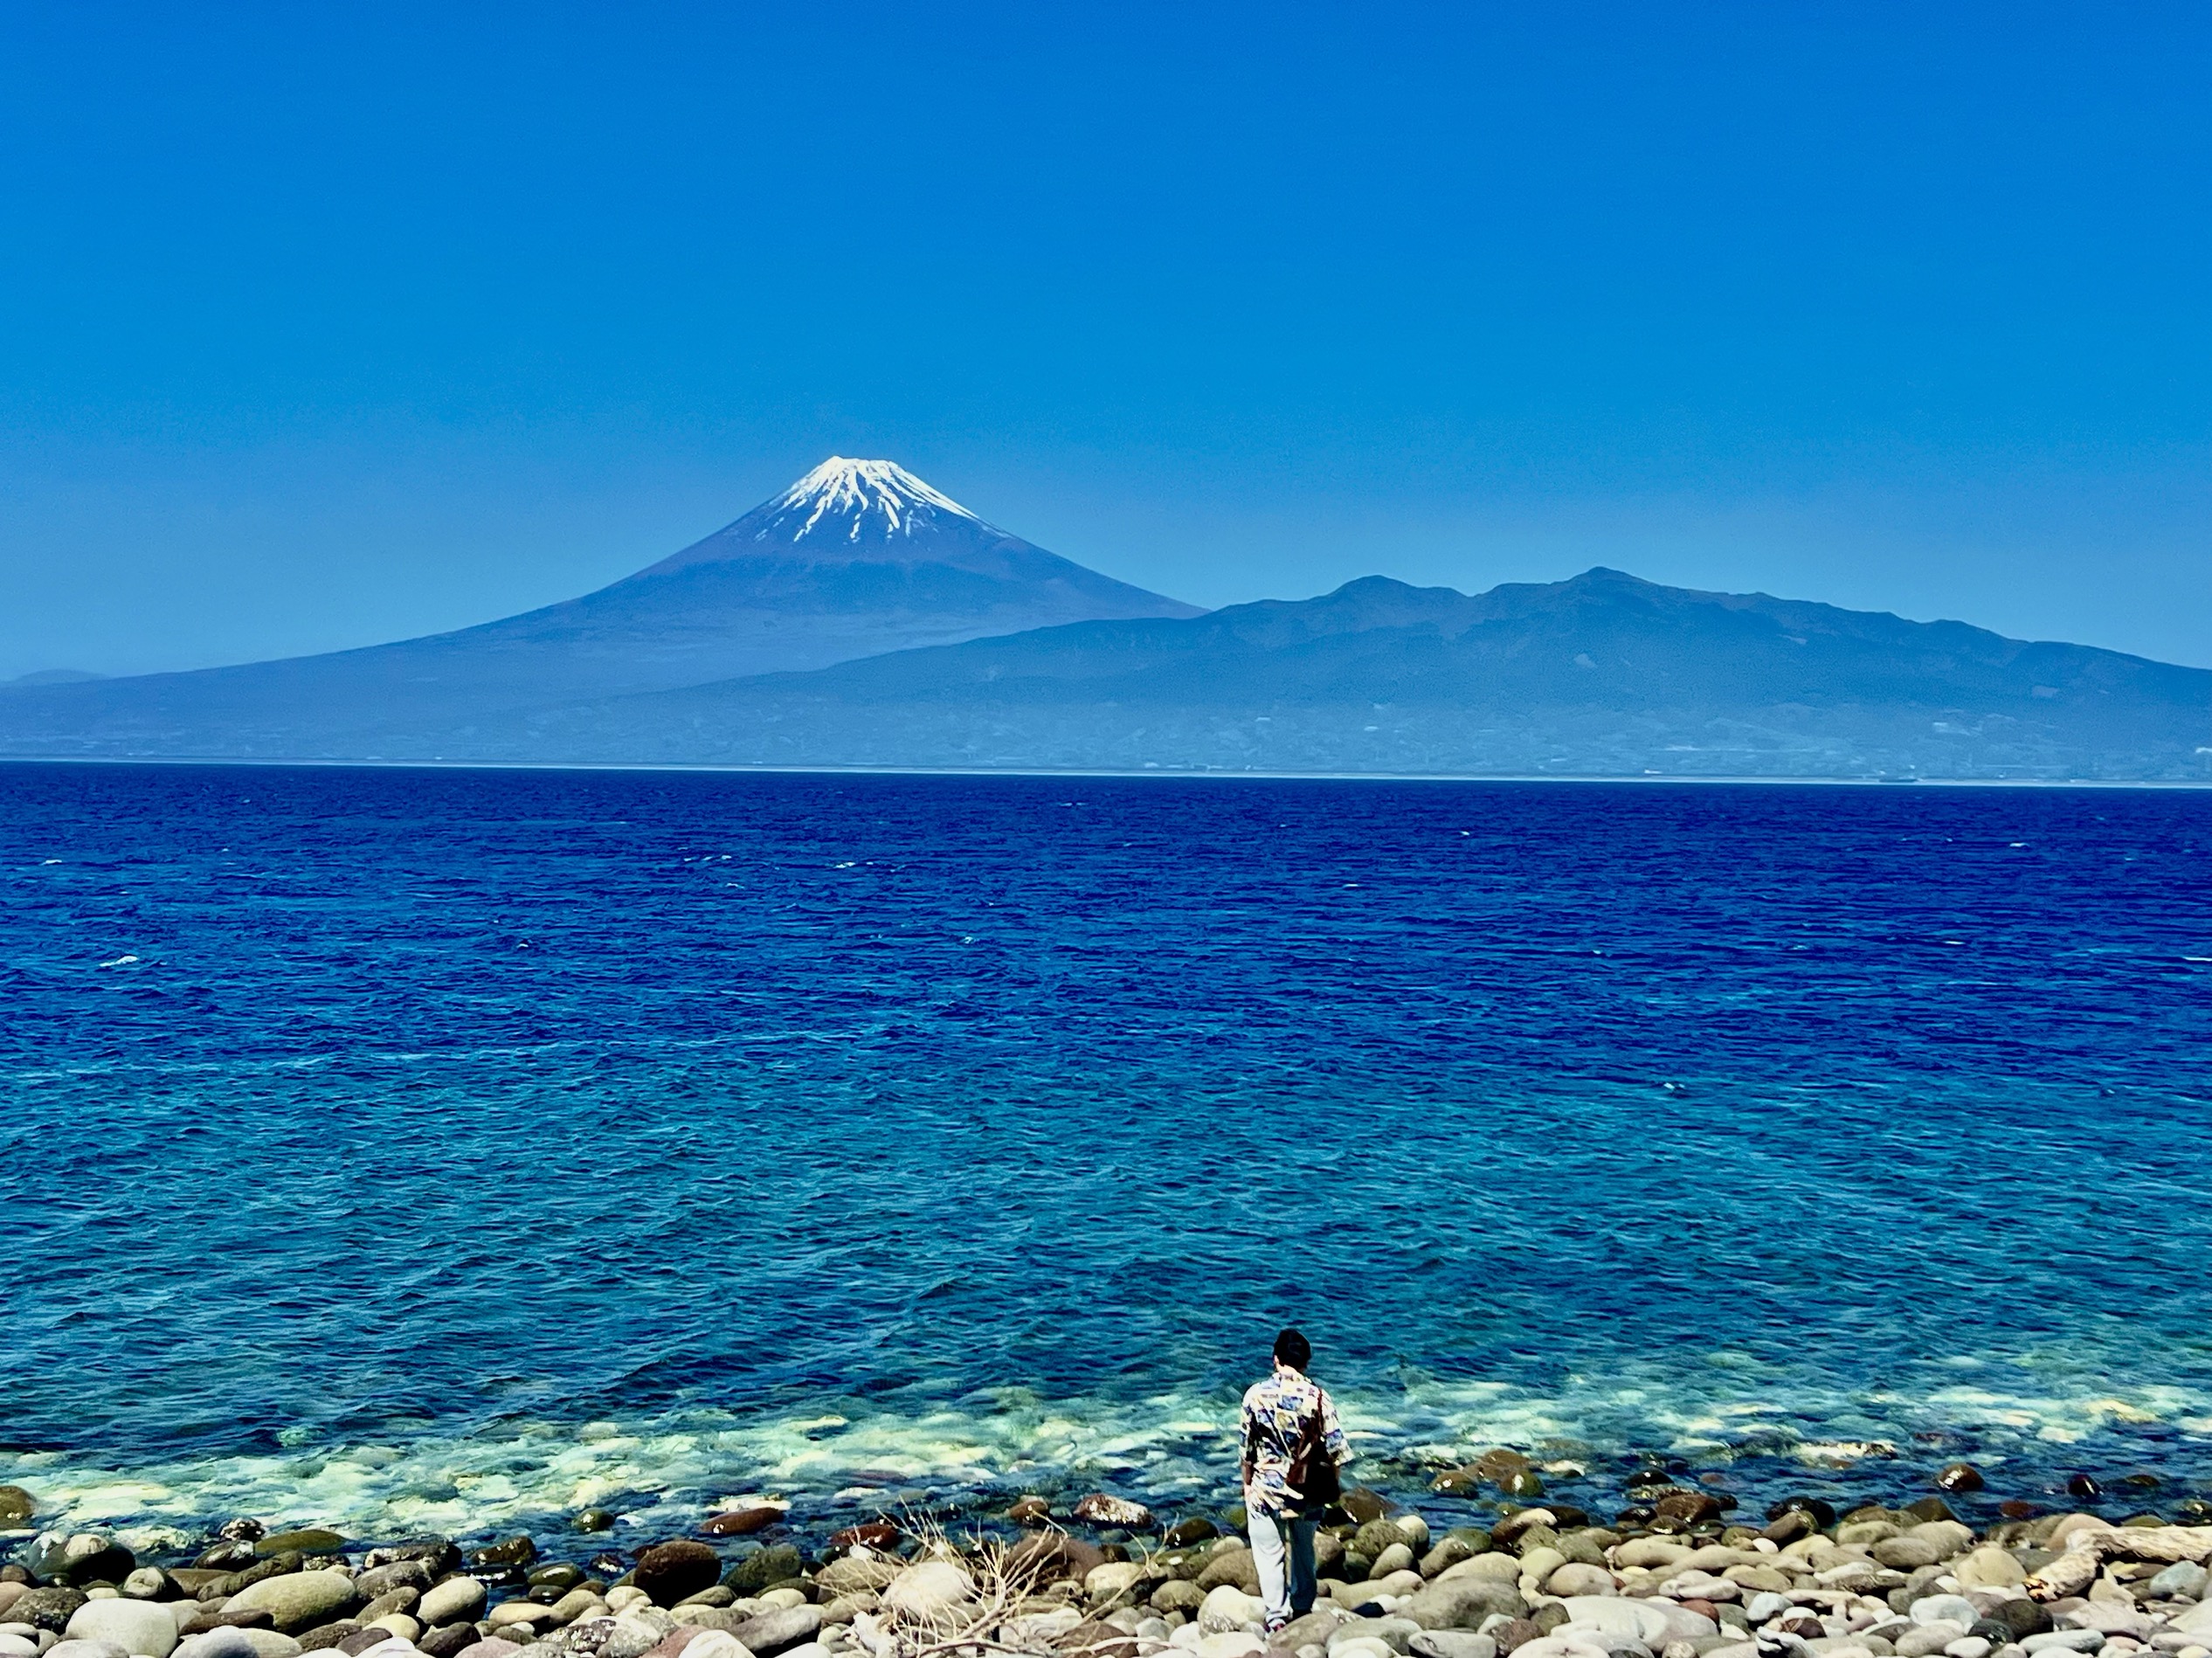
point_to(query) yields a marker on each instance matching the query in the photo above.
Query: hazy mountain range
(862, 619)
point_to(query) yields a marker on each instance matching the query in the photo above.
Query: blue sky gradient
(327, 325)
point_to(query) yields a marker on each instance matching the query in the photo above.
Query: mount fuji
(857, 558)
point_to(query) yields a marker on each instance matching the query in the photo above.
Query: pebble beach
(1674, 1571)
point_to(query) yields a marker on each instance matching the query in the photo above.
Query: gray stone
(2186, 1579)
(1944, 1609)
(1922, 1640)
(138, 1627)
(1461, 1602)
(2197, 1620)
(455, 1600)
(1767, 1604)
(772, 1632)
(297, 1599)
(226, 1642)
(1968, 1647)
(87, 1650)
(929, 1589)
(2065, 1640)
(1451, 1643)
(15, 1646)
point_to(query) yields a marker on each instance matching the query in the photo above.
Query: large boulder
(138, 1627)
(297, 1601)
(1461, 1598)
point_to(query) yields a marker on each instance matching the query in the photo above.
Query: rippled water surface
(437, 1147)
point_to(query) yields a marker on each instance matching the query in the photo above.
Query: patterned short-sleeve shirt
(1276, 1415)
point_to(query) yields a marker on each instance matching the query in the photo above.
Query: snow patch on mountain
(855, 494)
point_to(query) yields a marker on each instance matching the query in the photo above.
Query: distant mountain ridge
(1603, 674)
(856, 558)
(862, 617)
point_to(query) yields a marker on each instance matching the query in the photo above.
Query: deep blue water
(414, 1147)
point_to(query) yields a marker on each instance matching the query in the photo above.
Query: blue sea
(453, 1150)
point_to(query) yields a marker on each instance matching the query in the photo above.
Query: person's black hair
(1293, 1349)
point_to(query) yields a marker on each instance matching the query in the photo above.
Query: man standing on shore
(1288, 1420)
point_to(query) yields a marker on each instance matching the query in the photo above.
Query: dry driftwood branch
(2092, 1546)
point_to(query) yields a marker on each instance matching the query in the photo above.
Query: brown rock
(741, 1523)
(1515, 1633)
(1679, 1511)
(1031, 1511)
(1095, 1640)
(869, 1534)
(1049, 1557)
(672, 1571)
(448, 1641)
(1365, 1505)
(324, 1636)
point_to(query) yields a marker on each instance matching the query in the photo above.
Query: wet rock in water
(234, 1554)
(2082, 1486)
(138, 1627)
(1363, 1505)
(16, 1506)
(869, 1534)
(1464, 1480)
(308, 1540)
(669, 1572)
(517, 1551)
(1197, 1529)
(1030, 1510)
(1098, 1508)
(762, 1569)
(1679, 1511)
(49, 1608)
(742, 1523)
(1959, 1479)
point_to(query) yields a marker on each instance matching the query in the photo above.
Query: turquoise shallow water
(409, 1149)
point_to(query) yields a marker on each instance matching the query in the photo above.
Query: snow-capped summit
(851, 498)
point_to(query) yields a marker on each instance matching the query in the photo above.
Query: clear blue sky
(326, 324)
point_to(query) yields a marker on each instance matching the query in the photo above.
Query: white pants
(1273, 1535)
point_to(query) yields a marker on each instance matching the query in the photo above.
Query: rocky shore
(1673, 1575)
